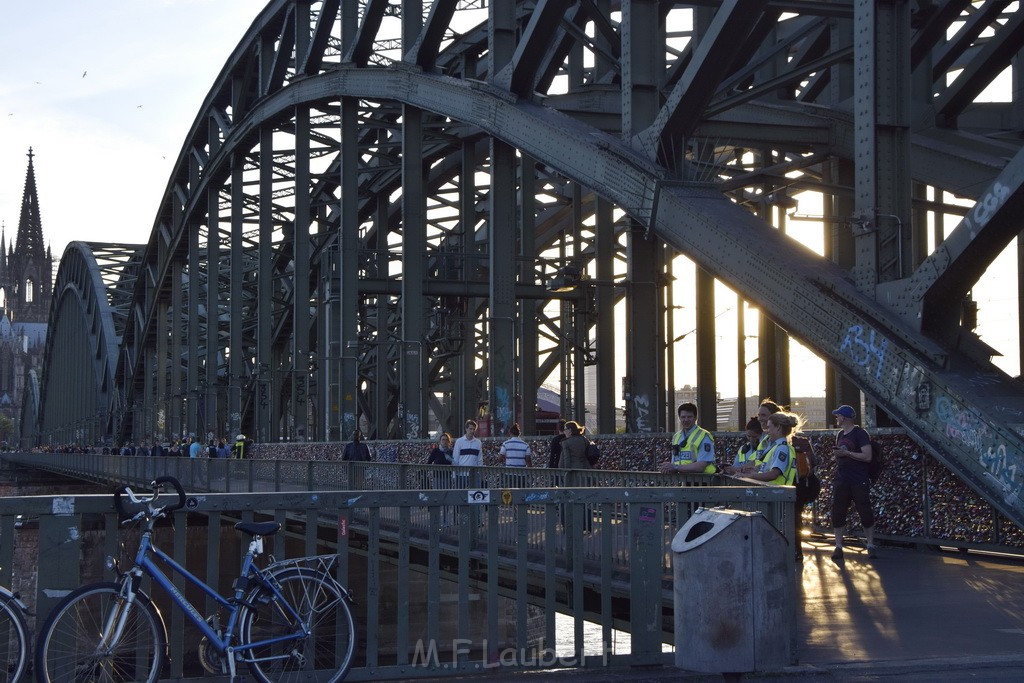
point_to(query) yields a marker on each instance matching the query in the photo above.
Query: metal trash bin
(733, 600)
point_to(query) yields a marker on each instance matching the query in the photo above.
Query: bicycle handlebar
(143, 504)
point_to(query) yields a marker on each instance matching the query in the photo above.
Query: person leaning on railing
(693, 447)
(778, 465)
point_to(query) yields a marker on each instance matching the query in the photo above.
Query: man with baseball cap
(852, 480)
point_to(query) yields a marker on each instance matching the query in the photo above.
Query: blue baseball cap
(845, 411)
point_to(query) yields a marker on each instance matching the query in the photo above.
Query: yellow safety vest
(745, 456)
(683, 453)
(788, 476)
(764, 446)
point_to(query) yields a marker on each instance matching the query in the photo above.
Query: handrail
(601, 540)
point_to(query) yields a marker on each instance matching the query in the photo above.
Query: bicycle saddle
(259, 528)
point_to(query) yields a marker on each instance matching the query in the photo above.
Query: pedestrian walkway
(918, 615)
(909, 605)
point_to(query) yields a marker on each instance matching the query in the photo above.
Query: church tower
(26, 270)
(26, 285)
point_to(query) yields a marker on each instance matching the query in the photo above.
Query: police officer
(746, 461)
(777, 465)
(693, 447)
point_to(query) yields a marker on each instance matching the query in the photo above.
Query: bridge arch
(335, 243)
(77, 400)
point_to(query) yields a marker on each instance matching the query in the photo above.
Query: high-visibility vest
(684, 453)
(746, 453)
(763, 447)
(788, 476)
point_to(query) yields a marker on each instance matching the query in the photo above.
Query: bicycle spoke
(323, 616)
(75, 645)
(13, 642)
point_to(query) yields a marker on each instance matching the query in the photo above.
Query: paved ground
(908, 615)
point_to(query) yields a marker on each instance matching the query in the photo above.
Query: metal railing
(453, 569)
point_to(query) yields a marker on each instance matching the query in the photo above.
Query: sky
(104, 92)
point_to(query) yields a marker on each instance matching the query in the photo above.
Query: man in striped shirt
(515, 451)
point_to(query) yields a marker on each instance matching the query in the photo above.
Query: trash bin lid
(704, 525)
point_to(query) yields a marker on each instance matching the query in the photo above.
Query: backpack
(804, 456)
(593, 453)
(877, 462)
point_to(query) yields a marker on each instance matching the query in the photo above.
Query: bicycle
(14, 648)
(289, 621)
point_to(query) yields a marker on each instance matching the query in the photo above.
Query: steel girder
(81, 403)
(679, 143)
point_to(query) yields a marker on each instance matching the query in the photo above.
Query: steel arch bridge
(370, 217)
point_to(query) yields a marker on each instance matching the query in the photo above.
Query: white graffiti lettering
(642, 407)
(986, 207)
(962, 425)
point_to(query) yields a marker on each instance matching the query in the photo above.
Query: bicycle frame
(144, 564)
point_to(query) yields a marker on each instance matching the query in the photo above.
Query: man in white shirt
(468, 450)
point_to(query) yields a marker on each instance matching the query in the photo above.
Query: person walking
(555, 453)
(442, 452)
(852, 481)
(693, 447)
(356, 450)
(516, 453)
(467, 452)
(574, 457)
(574, 448)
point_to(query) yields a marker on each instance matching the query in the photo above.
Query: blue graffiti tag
(502, 411)
(863, 351)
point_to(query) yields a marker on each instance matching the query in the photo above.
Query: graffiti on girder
(866, 348)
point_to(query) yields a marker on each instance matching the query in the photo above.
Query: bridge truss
(366, 221)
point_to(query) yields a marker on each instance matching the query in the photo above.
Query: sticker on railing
(506, 497)
(478, 497)
(63, 506)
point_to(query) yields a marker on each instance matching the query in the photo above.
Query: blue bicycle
(289, 621)
(13, 637)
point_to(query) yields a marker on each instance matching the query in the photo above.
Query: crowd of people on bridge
(189, 447)
(916, 497)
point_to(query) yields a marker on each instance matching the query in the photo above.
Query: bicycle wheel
(13, 641)
(323, 614)
(72, 646)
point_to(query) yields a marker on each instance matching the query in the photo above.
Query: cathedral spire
(28, 272)
(29, 241)
(3, 252)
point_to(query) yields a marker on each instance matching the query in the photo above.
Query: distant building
(26, 286)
